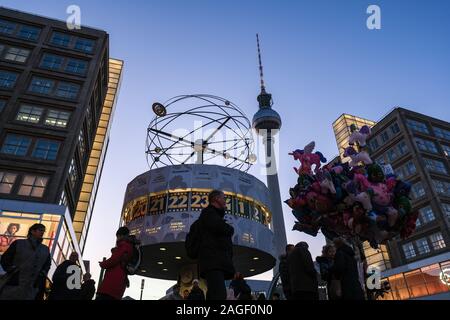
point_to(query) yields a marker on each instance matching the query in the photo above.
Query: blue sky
(320, 61)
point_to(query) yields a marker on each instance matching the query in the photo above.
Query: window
(417, 190)
(426, 214)
(426, 145)
(406, 170)
(33, 186)
(57, 118)
(402, 148)
(422, 246)
(76, 66)
(437, 241)
(81, 144)
(7, 79)
(392, 154)
(46, 149)
(2, 105)
(29, 32)
(410, 168)
(7, 27)
(374, 144)
(441, 133)
(85, 45)
(67, 90)
(409, 251)
(446, 150)
(418, 223)
(50, 61)
(16, 145)
(384, 137)
(63, 199)
(17, 54)
(442, 187)
(60, 39)
(446, 208)
(73, 174)
(7, 181)
(395, 128)
(40, 85)
(417, 126)
(28, 113)
(435, 165)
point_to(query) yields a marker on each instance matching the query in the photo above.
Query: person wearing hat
(196, 292)
(115, 281)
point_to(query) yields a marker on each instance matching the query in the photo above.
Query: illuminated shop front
(425, 279)
(16, 217)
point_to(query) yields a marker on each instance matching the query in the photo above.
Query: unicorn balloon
(356, 157)
(307, 159)
(359, 136)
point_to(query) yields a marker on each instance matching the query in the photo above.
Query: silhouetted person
(87, 291)
(242, 290)
(60, 289)
(115, 281)
(26, 263)
(283, 269)
(276, 296)
(196, 292)
(345, 269)
(302, 274)
(215, 257)
(261, 296)
(326, 262)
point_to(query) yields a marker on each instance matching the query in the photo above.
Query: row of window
(30, 185)
(424, 245)
(394, 153)
(423, 128)
(49, 61)
(406, 170)
(14, 54)
(19, 30)
(426, 215)
(435, 165)
(40, 115)
(19, 145)
(60, 39)
(392, 131)
(442, 187)
(72, 42)
(50, 87)
(59, 63)
(41, 85)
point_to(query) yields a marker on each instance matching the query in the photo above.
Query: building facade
(342, 132)
(418, 149)
(57, 96)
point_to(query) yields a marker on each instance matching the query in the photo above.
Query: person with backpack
(116, 280)
(210, 241)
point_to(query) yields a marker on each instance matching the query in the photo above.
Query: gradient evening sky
(320, 61)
